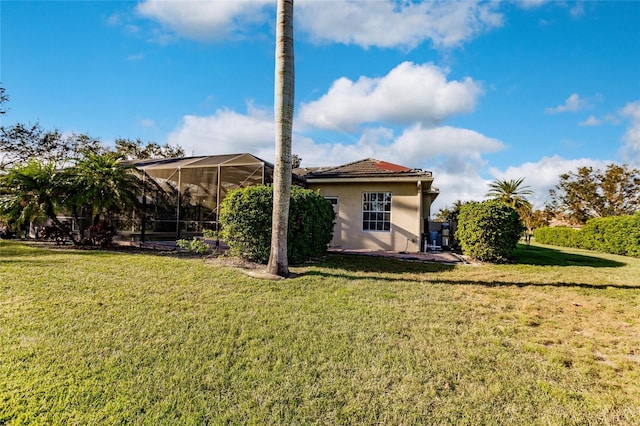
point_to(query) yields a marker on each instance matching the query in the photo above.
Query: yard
(92, 337)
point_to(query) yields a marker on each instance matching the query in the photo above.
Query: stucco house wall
(409, 207)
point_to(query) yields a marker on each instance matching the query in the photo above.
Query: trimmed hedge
(557, 236)
(615, 235)
(489, 231)
(246, 214)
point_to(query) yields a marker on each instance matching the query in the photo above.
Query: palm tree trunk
(283, 109)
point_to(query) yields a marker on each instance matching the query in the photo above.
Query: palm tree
(283, 109)
(510, 191)
(32, 190)
(104, 185)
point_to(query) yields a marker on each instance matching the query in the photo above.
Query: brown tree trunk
(283, 109)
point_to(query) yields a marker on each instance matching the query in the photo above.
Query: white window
(334, 203)
(376, 211)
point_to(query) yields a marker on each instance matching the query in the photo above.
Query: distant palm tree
(511, 192)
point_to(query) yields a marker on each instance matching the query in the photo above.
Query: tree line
(579, 196)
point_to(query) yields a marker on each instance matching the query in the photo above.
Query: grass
(95, 337)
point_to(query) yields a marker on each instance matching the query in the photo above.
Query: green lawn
(92, 337)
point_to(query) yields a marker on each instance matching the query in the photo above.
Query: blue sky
(472, 91)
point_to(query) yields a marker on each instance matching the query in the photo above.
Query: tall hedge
(614, 234)
(489, 231)
(245, 217)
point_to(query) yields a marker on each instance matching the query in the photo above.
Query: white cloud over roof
(409, 93)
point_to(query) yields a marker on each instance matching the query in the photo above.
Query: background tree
(510, 192)
(3, 99)
(21, 142)
(450, 213)
(532, 219)
(296, 160)
(283, 106)
(130, 149)
(589, 193)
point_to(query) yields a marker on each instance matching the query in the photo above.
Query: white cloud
(206, 20)
(530, 4)
(226, 132)
(576, 8)
(591, 121)
(426, 143)
(577, 11)
(147, 122)
(409, 93)
(631, 138)
(571, 104)
(464, 185)
(406, 24)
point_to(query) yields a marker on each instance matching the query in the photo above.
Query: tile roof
(367, 167)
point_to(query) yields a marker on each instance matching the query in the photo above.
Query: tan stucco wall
(406, 219)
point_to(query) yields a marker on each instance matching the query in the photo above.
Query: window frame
(335, 202)
(376, 209)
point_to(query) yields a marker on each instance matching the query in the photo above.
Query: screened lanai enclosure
(187, 192)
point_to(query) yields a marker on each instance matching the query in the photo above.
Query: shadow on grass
(355, 268)
(383, 265)
(547, 256)
(493, 284)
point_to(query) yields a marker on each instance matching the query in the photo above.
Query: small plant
(210, 234)
(194, 245)
(101, 234)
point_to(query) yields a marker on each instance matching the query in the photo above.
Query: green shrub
(489, 231)
(245, 216)
(194, 245)
(614, 234)
(210, 234)
(558, 236)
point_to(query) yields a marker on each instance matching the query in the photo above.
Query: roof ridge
(349, 164)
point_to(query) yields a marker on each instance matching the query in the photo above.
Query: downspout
(218, 206)
(420, 218)
(144, 208)
(178, 208)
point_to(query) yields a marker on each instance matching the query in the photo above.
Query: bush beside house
(489, 231)
(245, 217)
